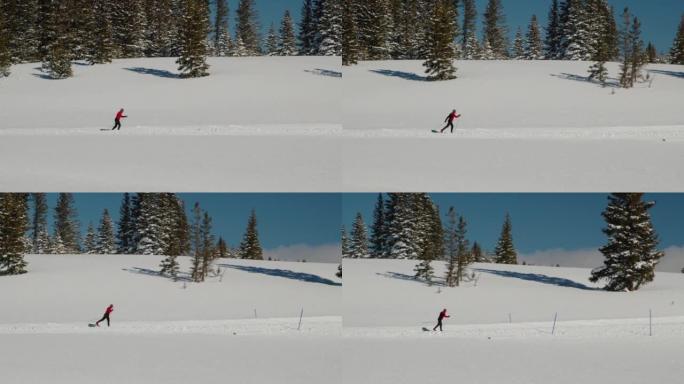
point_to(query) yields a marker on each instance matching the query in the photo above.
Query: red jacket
(109, 310)
(442, 315)
(119, 115)
(452, 116)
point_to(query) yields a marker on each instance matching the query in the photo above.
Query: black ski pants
(117, 125)
(105, 317)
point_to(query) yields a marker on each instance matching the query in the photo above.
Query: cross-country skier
(450, 121)
(109, 310)
(441, 317)
(117, 120)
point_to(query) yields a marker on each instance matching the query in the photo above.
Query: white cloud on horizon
(327, 253)
(591, 258)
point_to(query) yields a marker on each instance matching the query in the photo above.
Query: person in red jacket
(450, 121)
(109, 310)
(441, 317)
(117, 120)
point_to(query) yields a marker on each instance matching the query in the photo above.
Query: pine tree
(505, 251)
(632, 50)
(124, 234)
(307, 29)
(66, 222)
(378, 230)
(90, 242)
(470, 47)
(638, 57)
(222, 42)
(250, 247)
(339, 271)
(495, 29)
(518, 46)
(129, 24)
(152, 235)
(486, 52)
(238, 48)
(287, 43)
(105, 235)
(575, 42)
(651, 53)
(677, 50)
(39, 230)
(193, 34)
(344, 243)
(451, 248)
(552, 44)
(430, 236)
(533, 43)
(330, 28)
(631, 254)
(358, 248)
(13, 225)
(247, 27)
(100, 47)
(196, 229)
(57, 60)
(5, 53)
(476, 253)
(57, 245)
(222, 248)
(272, 42)
(441, 47)
(161, 27)
(20, 19)
(375, 25)
(350, 43)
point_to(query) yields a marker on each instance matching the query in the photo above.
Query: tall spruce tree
(90, 241)
(344, 243)
(129, 25)
(378, 237)
(125, 229)
(193, 34)
(20, 19)
(106, 244)
(677, 50)
(247, 27)
(651, 53)
(495, 29)
(505, 250)
(272, 41)
(330, 28)
(58, 55)
(533, 42)
(66, 222)
(451, 248)
(222, 248)
(287, 42)
(358, 243)
(221, 43)
(518, 46)
(476, 253)
(374, 25)
(469, 45)
(196, 230)
(350, 42)
(5, 53)
(100, 46)
(575, 42)
(13, 225)
(441, 49)
(250, 247)
(631, 253)
(161, 28)
(307, 29)
(552, 43)
(39, 229)
(430, 236)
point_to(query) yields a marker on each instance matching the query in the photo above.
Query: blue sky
(659, 18)
(540, 221)
(283, 219)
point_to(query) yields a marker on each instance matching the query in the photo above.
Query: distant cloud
(591, 258)
(328, 253)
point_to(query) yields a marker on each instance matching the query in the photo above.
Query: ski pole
(300, 319)
(553, 330)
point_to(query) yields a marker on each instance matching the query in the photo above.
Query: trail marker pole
(650, 322)
(301, 314)
(555, 317)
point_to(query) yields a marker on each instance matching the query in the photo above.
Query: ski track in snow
(578, 329)
(311, 326)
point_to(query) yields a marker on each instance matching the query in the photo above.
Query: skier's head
(454, 111)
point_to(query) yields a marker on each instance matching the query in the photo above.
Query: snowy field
(501, 330)
(526, 126)
(256, 124)
(169, 332)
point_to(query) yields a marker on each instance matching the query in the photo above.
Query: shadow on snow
(539, 278)
(150, 272)
(405, 277)
(324, 72)
(285, 273)
(400, 74)
(154, 72)
(611, 82)
(668, 73)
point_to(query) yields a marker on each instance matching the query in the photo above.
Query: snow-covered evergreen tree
(272, 42)
(518, 46)
(129, 25)
(469, 45)
(250, 247)
(631, 253)
(13, 225)
(344, 243)
(247, 27)
(125, 228)
(151, 237)
(287, 42)
(90, 241)
(375, 25)
(339, 271)
(495, 29)
(39, 231)
(100, 46)
(576, 36)
(106, 243)
(66, 222)
(57, 60)
(307, 29)
(57, 245)
(238, 48)
(330, 28)
(505, 250)
(486, 52)
(476, 254)
(5, 53)
(677, 50)
(552, 43)
(222, 249)
(161, 27)
(350, 42)
(20, 20)
(451, 248)
(631, 50)
(193, 34)
(533, 42)
(441, 51)
(358, 244)
(378, 237)
(651, 53)
(221, 43)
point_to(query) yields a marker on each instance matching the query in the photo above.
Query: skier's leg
(451, 124)
(107, 319)
(101, 320)
(115, 123)
(445, 127)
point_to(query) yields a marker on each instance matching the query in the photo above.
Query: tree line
(57, 33)
(410, 226)
(441, 31)
(149, 224)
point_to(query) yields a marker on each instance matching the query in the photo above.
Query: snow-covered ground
(244, 327)
(501, 329)
(526, 126)
(256, 124)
